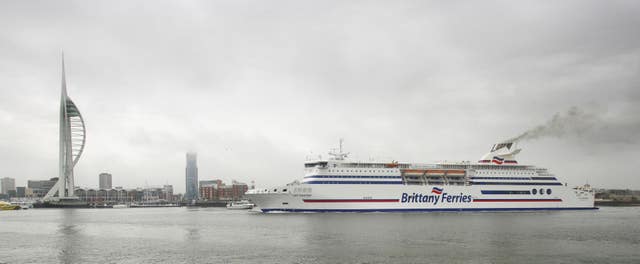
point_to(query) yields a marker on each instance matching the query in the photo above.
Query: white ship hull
(413, 198)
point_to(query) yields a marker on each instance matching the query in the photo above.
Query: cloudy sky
(255, 87)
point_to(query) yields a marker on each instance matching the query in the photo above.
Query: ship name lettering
(435, 199)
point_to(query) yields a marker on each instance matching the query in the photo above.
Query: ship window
(534, 191)
(549, 191)
(541, 191)
(275, 190)
(284, 190)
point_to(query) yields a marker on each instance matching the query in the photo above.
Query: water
(217, 235)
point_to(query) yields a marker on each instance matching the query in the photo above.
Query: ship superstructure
(495, 182)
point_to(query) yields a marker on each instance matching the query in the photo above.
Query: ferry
(497, 182)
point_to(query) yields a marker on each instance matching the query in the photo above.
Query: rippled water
(217, 235)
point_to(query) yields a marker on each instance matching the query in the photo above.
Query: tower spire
(64, 79)
(72, 140)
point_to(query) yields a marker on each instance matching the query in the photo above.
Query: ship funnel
(502, 153)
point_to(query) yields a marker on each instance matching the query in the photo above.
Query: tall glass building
(191, 177)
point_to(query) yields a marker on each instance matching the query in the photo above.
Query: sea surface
(218, 235)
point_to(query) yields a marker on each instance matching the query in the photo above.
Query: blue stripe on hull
(516, 183)
(424, 209)
(507, 192)
(352, 177)
(353, 182)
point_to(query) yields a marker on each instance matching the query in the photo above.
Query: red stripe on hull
(515, 200)
(352, 201)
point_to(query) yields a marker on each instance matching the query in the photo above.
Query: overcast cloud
(257, 86)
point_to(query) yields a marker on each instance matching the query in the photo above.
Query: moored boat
(7, 206)
(240, 205)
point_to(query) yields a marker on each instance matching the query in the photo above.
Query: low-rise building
(20, 191)
(39, 189)
(221, 191)
(119, 195)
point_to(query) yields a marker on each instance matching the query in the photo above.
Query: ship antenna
(338, 155)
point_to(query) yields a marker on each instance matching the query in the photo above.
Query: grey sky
(256, 86)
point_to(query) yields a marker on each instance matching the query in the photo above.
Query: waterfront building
(191, 177)
(167, 193)
(20, 191)
(221, 191)
(28, 192)
(102, 196)
(105, 180)
(7, 184)
(39, 189)
(71, 144)
(119, 195)
(208, 192)
(11, 193)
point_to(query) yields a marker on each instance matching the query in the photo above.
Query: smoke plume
(575, 122)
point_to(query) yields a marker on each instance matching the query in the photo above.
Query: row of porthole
(275, 190)
(535, 191)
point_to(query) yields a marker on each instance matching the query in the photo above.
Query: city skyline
(255, 91)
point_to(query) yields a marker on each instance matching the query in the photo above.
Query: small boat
(240, 205)
(8, 206)
(116, 206)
